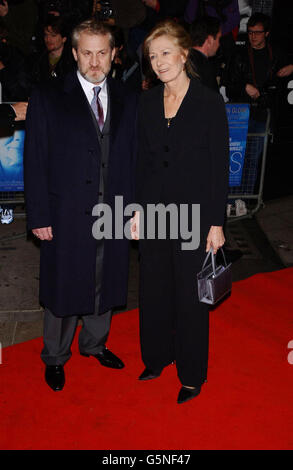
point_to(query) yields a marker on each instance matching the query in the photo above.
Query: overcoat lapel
(75, 99)
(78, 106)
(116, 109)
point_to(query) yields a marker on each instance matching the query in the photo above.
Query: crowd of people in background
(35, 39)
(35, 45)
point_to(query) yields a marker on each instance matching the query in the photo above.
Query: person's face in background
(214, 44)
(94, 56)
(257, 36)
(54, 41)
(167, 58)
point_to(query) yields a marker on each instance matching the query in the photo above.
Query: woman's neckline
(172, 117)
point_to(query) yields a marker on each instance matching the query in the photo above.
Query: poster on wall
(238, 117)
(11, 158)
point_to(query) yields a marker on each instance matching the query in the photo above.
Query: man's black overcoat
(62, 174)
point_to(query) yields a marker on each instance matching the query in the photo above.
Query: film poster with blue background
(238, 117)
(11, 159)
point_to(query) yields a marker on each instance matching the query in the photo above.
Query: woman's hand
(252, 91)
(44, 233)
(134, 226)
(215, 238)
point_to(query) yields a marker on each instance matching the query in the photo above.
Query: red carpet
(246, 404)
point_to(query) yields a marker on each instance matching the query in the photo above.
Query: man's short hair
(202, 28)
(95, 28)
(261, 18)
(57, 24)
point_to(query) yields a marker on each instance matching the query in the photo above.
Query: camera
(106, 11)
(54, 5)
(51, 5)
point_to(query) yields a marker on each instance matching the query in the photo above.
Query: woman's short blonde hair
(178, 34)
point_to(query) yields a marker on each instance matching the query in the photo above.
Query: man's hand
(215, 238)
(134, 226)
(53, 12)
(4, 9)
(20, 110)
(145, 84)
(285, 71)
(44, 233)
(252, 91)
(151, 3)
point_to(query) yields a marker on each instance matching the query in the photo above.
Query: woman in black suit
(183, 159)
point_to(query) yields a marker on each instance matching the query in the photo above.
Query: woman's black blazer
(189, 162)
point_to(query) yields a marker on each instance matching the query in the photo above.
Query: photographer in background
(125, 15)
(256, 69)
(56, 58)
(103, 11)
(72, 13)
(254, 77)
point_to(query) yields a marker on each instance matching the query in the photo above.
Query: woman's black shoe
(148, 374)
(186, 394)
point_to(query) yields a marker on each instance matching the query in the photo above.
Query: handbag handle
(213, 259)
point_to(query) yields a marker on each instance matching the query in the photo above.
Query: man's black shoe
(55, 377)
(107, 359)
(149, 374)
(187, 393)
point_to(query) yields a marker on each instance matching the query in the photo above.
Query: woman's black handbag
(214, 282)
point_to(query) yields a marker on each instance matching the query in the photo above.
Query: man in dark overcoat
(205, 35)
(79, 152)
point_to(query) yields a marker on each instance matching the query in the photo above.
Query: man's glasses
(256, 33)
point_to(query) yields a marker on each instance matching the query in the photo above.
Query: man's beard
(98, 79)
